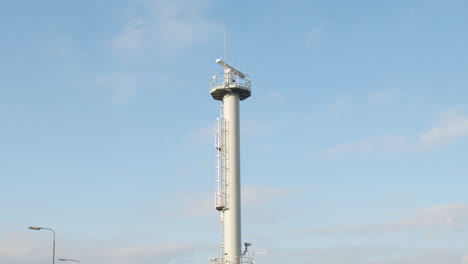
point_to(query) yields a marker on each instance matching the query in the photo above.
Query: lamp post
(62, 259)
(46, 228)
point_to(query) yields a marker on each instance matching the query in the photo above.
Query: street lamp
(46, 228)
(62, 259)
(246, 244)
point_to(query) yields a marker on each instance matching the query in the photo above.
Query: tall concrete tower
(229, 87)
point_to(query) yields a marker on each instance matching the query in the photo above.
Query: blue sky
(353, 142)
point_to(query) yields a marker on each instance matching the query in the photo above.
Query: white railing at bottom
(249, 259)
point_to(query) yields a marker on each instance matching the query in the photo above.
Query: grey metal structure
(229, 87)
(53, 245)
(64, 259)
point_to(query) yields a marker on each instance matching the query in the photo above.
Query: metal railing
(229, 80)
(248, 259)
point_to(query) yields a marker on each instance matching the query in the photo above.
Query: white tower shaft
(230, 87)
(232, 213)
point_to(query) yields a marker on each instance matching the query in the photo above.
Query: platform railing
(248, 259)
(223, 80)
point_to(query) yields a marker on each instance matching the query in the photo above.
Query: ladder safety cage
(220, 148)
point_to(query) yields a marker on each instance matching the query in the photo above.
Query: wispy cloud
(201, 204)
(194, 204)
(203, 134)
(253, 194)
(21, 249)
(256, 127)
(249, 127)
(382, 97)
(275, 95)
(314, 34)
(165, 26)
(451, 125)
(340, 105)
(366, 145)
(371, 145)
(367, 254)
(343, 103)
(124, 86)
(147, 253)
(259, 203)
(429, 220)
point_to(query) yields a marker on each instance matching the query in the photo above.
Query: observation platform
(228, 82)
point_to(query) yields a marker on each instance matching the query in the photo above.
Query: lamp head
(246, 244)
(64, 259)
(35, 228)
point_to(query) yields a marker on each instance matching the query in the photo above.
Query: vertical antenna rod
(225, 59)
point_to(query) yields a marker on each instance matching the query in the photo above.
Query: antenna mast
(225, 59)
(230, 87)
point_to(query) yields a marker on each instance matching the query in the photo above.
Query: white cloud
(313, 36)
(340, 105)
(258, 203)
(253, 194)
(22, 248)
(7, 111)
(451, 216)
(248, 127)
(255, 127)
(202, 204)
(165, 26)
(366, 145)
(371, 145)
(382, 97)
(430, 221)
(124, 86)
(275, 95)
(343, 103)
(195, 204)
(452, 125)
(131, 39)
(370, 254)
(26, 248)
(146, 253)
(204, 134)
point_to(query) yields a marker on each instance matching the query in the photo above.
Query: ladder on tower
(220, 146)
(221, 172)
